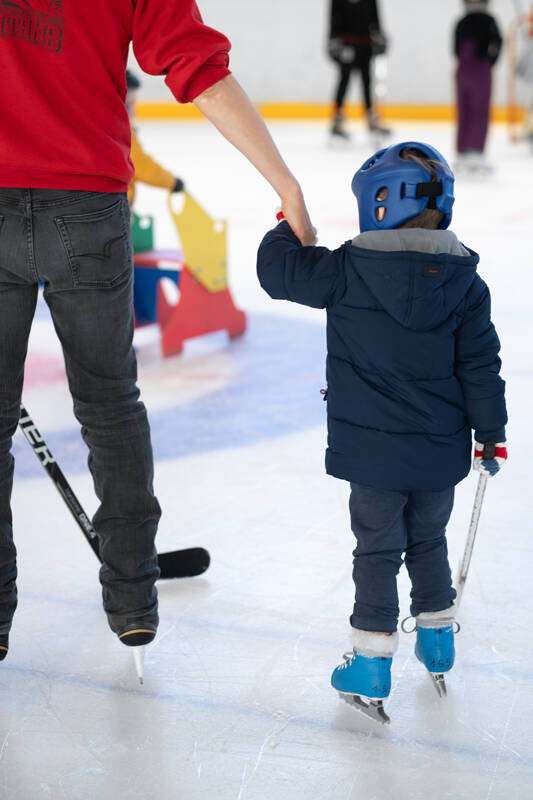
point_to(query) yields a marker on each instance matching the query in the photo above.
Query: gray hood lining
(419, 240)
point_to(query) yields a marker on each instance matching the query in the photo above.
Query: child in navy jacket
(412, 369)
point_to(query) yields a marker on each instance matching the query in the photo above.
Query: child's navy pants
(388, 524)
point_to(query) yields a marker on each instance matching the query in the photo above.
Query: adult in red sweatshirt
(64, 220)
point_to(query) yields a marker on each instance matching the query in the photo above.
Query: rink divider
(318, 111)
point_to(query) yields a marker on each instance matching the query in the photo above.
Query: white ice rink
(236, 702)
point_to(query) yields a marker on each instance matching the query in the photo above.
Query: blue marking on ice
(279, 369)
(486, 754)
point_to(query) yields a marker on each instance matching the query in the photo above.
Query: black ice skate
(4, 645)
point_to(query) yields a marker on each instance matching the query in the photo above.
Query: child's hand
(489, 458)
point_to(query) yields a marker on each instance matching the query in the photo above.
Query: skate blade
(437, 679)
(372, 708)
(138, 659)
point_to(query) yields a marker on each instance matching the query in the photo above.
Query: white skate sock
(374, 645)
(437, 619)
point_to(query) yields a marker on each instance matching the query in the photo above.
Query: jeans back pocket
(98, 244)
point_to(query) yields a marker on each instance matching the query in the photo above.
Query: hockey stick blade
(176, 564)
(183, 563)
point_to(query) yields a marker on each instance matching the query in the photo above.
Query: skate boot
(375, 124)
(480, 166)
(364, 679)
(137, 634)
(472, 164)
(338, 131)
(4, 645)
(435, 644)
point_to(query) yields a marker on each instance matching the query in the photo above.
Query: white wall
(278, 48)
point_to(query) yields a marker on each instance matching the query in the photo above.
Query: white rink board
(236, 702)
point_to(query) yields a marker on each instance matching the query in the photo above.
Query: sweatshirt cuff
(206, 76)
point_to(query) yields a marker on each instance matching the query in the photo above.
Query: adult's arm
(337, 21)
(170, 38)
(375, 15)
(495, 41)
(227, 106)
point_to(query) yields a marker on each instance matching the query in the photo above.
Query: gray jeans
(78, 244)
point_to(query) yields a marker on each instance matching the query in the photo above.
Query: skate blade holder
(438, 681)
(373, 709)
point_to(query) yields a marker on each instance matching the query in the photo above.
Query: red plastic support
(196, 313)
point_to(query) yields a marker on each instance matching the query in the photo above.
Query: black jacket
(481, 29)
(353, 18)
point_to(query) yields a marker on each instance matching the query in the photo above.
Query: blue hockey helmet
(409, 191)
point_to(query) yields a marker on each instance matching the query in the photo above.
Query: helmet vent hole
(380, 213)
(382, 194)
(402, 191)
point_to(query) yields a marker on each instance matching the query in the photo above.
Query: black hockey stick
(175, 564)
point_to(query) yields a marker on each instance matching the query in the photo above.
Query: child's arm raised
(312, 276)
(477, 366)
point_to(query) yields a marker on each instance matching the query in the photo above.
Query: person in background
(355, 36)
(477, 43)
(147, 169)
(65, 169)
(524, 71)
(412, 369)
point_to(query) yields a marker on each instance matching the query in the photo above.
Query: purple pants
(474, 79)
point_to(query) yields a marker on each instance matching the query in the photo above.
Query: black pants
(361, 64)
(79, 245)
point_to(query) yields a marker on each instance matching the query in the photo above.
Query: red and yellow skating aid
(200, 273)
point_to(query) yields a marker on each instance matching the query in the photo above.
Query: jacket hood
(419, 276)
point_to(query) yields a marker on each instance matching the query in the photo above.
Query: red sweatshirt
(63, 121)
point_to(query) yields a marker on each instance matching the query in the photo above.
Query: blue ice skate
(434, 646)
(435, 649)
(364, 682)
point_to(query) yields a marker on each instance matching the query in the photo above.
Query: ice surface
(236, 702)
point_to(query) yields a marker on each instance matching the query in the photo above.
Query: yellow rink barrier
(318, 111)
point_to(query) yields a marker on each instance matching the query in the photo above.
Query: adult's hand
(227, 106)
(295, 212)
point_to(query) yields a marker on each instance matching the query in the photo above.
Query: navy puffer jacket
(412, 362)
